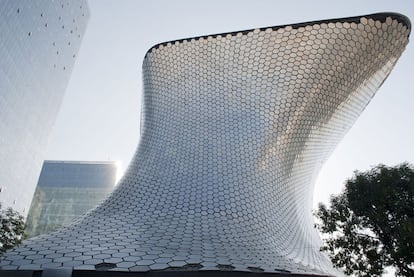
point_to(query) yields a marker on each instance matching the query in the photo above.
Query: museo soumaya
(235, 129)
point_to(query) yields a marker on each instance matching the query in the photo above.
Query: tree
(370, 225)
(11, 229)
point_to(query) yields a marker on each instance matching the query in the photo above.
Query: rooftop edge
(355, 19)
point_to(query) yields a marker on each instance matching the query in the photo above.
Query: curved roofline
(355, 19)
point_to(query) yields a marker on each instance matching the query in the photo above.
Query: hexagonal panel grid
(236, 127)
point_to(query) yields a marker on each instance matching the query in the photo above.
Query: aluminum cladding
(236, 128)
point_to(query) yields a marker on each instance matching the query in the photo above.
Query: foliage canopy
(11, 229)
(370, 225)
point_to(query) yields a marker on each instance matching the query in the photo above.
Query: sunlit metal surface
(236, 127)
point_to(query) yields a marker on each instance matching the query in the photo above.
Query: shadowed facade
(235, 129)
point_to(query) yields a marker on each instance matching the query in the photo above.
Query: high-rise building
(235, 129)
(67, 190)
(38, 48)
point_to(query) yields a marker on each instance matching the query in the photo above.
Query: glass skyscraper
(38, 48)
(66, 190)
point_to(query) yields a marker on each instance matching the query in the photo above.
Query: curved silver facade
(236, 127)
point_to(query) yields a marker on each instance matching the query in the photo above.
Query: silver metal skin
(235, 129)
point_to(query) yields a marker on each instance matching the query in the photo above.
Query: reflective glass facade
(236, 127)
(67, 190)
(39, 43)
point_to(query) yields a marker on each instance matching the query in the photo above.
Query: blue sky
(100, 115)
